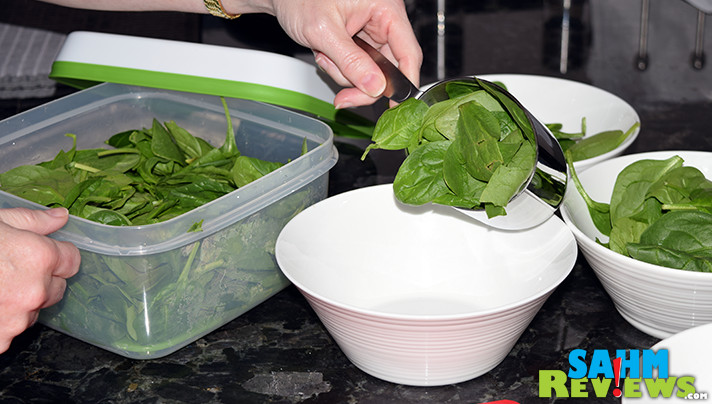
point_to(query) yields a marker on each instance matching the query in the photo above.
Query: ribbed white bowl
(557, 100)
(420, 295)
(657, 300)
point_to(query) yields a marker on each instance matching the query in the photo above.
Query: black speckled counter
(279, 352)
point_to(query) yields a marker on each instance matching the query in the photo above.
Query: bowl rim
(582, 164)
(482, 314)
(628, 262)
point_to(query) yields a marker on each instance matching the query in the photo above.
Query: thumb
(37, 221)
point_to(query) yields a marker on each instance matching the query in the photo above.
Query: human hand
(326, 27)
(33, 268)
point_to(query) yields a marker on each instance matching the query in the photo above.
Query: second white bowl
(657, 300)
(556, 100)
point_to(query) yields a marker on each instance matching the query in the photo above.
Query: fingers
(33, 268)
(352, 97)
(356, 96)
(23, 245)
(349, 96)
(327, 28)
(328, 66)
(34, 256)
(37, 221)
(408, 54)
(349, 65)
(64, 258)
(54, 292)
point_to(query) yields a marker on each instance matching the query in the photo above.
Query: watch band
(216, 8)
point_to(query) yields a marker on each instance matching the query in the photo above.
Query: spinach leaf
(628, 229)
(247, 169)
(634, 181)
(659, 213)
(109, 217)
(599, 143)
(162, 144)
(37, 183)
(683, 188)
(680, 239)
(465, 188)
(420, 178)
(556, 130)
(391, 133)
(152, 174)
(188, 144)
(119, 140)
(474, 150)
(440, 120)
(509, 179)
(480, 143)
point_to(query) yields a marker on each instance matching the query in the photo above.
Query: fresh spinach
(584, 147)
(581, 147)
(660, 212)
(680, 239)
(599, 143)
(150, 304)
(151, 175)
(474, 150)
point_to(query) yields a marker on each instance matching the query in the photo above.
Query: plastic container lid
(89, 58)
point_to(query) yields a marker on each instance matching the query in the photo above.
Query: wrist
(248, 6)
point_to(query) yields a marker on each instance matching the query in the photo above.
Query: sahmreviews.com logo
(603, 375)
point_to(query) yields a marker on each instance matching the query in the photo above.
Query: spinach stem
(188, 264)
(210, 266)
(124, 150)
(84, 167)
(679, 206)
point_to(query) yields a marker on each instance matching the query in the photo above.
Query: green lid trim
(84, 75)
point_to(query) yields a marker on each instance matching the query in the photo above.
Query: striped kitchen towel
(27, 56)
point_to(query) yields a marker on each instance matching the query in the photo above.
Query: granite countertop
(280, 352)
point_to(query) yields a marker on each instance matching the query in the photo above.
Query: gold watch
(216, 8)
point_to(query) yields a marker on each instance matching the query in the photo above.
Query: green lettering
(600, 386)
(685, 386)
(656, 387)
(578, 387)
(631, 387)
(552, 380)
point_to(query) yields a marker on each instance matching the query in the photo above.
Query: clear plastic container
(146, 291)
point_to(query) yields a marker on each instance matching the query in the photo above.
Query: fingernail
(57, 212)
(320, 62)
(344, 105)
(373, 84)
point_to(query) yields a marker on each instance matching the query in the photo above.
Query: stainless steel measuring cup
(543, 193)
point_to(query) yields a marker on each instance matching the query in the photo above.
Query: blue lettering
(630, 367)
(577, 366)
(657, 360)
(600, 365)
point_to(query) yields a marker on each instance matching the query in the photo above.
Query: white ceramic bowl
(555, 100)
(424, 295)
(688, 355)
(657, 300)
